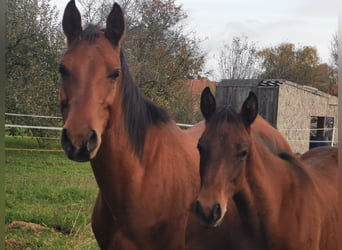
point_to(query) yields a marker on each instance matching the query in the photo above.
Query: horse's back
(270, 135)
(195, 131)
(321, 157)
(323, 164)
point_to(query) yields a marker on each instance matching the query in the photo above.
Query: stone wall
(296, 105)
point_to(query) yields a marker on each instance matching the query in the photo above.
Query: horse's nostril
(82, 150)
(92, 140)
(199, 210)
(65, 140)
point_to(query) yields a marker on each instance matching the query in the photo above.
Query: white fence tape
(333, 142)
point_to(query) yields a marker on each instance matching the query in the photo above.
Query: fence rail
(33, 116)
(285, 131)
(31, 127)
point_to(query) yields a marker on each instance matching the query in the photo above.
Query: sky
(265, 22)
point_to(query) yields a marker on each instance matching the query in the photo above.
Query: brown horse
(146, 167)
(284, 202)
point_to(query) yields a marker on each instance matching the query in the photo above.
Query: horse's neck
(116, 167)
(263, 190)
(123, 177)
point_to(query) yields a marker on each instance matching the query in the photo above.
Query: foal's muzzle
(210, 217)
(79, 152)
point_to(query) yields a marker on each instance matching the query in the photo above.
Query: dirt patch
(26, 226)
(19, 244)
(37, 227)
(15, 244)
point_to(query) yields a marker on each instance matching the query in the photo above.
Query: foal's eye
(63, 70)
(115, 74)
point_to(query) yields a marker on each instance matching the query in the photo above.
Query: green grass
(27, 142)
(47, 189)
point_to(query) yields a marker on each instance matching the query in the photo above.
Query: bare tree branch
(239, 60)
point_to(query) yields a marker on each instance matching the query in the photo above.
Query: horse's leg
(103, 224)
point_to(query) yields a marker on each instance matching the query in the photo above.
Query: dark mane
(139, 112)
(295, 164)
(90, 33)
(224, 114)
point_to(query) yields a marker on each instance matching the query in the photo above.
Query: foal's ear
(249, 110)
(72, 25)
(208, 103)
(115, 25)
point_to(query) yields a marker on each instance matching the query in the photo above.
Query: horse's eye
(243, 154)
(63, 70)
(115, 74)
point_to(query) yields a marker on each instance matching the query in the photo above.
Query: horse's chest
(159, 235)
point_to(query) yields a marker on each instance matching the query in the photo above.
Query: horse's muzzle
(81, 152)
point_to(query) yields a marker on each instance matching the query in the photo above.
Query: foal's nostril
(216, 212)
(92, 140)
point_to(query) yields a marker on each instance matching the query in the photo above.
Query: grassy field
(44, 191)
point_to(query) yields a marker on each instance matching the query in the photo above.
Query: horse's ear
(72, 25)
(115, 27)
(208, 103)
(249, 110)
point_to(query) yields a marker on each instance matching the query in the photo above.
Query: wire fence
(46, 129)
(330, 134)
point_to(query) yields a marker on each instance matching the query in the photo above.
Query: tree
(239, 60)
(160, 54)
(300, 65)
(34, 45)
(334, 58)
(95, 12)
(160, 45)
